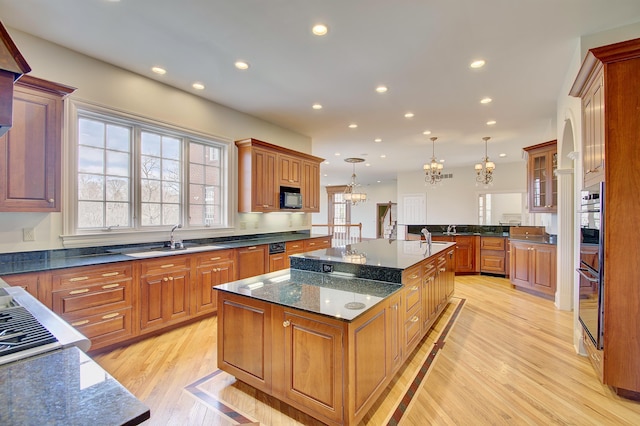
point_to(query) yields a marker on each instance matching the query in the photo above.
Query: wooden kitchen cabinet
(211, 269)
(289, 171)
(533, 267)
(395, 326)
(264, 168)
(412, 298)
(493, 256)
(252, 260)
(593, 125)
(38, 284)
(467, 256)
(292, 247)
(30, 152)
(165, 287)
(542, 182)
(278, 262)
(97, 300)
(318, 243)
(310, 186)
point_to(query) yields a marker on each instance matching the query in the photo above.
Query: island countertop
(335, 295)
(381, 260)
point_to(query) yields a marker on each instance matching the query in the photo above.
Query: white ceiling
(420, 49)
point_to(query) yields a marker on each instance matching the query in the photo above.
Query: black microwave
(290, 200)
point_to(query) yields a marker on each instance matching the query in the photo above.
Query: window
(137, 175)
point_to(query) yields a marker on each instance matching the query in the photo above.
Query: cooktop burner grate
(20, 331)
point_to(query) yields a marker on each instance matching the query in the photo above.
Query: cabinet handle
(51, 200)
(215, 258)
(312, 244)
(165, 279)
(291, 180)
(443, 270)
(395, 307)
(265, 205)
(252, 248)
(110, 274)
(82, 290)
(115, 314)
(414, 288)
(168, 265)
(415, 318)
(287, 323)
(79, 323)
(413, 276)
(170, 278)
(107, 286)
(76, 279)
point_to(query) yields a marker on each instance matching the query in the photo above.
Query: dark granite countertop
(382, 260)
(65, 387)
(36, 261)
(538, 239)
(330, 294)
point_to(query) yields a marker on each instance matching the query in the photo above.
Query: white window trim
(129, 236)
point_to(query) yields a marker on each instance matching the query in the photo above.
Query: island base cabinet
(244, 340)
(312, 369)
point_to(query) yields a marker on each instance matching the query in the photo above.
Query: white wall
(455, 201)
(113, 87)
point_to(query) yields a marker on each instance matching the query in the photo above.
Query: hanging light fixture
(351, 192)
(484, 170)
(433, 170)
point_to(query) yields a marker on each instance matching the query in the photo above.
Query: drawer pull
(110, 274)
(79, 323)
(414, 288)
(113, 315)
(252, 248)
(76, 279)
(287, 323)
(443, 270)
(107, 286)
(312, 244)
(165, 279)
(414, 276)
(168, 265)
(82, 290)
(415, 318)
(215, 258)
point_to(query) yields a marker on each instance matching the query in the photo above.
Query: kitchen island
(328, 343)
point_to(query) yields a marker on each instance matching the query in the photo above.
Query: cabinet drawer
(164, 265)
(429, 267)
(108, 326)
(94, 298)
(213, 257)
(317, 243)
(293, 247)
(492, 243)
(412, 299)
(82, 277)
(492, 261)
(412, 331)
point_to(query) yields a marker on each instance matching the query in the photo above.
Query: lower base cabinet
(533, 267)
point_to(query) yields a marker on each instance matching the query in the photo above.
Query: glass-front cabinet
(541, 177)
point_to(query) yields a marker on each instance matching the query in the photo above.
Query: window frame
(73, 237)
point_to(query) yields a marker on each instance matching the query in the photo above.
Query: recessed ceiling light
(503, 155)
(378, 181)
(368, 164)
(381, 89)
(325, 175)
(409, 115)
(159, 70)
(485, 100)
(241, 65)
(316, 106)
(426, 132)
(327, 162)
(319, 29)
(491, 122)
(337, 154)
(478, 63)
(353, 126)
(383, 156)
(378, 140)
(198, 86)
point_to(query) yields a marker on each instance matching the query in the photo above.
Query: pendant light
(484, 170)
(433, 170)
(351, 192)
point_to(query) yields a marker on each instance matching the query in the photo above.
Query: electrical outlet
(327, 267)
(28, 234)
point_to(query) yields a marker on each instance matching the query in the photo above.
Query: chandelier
(433, 170)
(484, 170)
(351, 193)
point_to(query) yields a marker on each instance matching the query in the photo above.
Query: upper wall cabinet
(30, 152)
(541, 178)
(263, 169)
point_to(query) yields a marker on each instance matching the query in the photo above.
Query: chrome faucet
(427, 237)
(172, 241)
(451, 229)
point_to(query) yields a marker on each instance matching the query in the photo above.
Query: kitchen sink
(168, 251)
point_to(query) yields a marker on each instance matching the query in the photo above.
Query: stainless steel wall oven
(591, 301)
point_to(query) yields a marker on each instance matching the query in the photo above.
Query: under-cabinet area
(355, 332)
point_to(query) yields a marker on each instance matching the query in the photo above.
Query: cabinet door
(317, 243)
(208, 276)
(520, 259)
(310, 187)
(593, 133)
(313, 364)
(28, 282)
(30, 153)
(164, 298)
(542, 180)
(264, 193)
(252, 261)
(543, 269)
(289, 170)
(450, 272)
(394, 318)
(278, 262)
(429, 303)
(465, 254)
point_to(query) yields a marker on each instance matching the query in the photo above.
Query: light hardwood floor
(507, 359)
